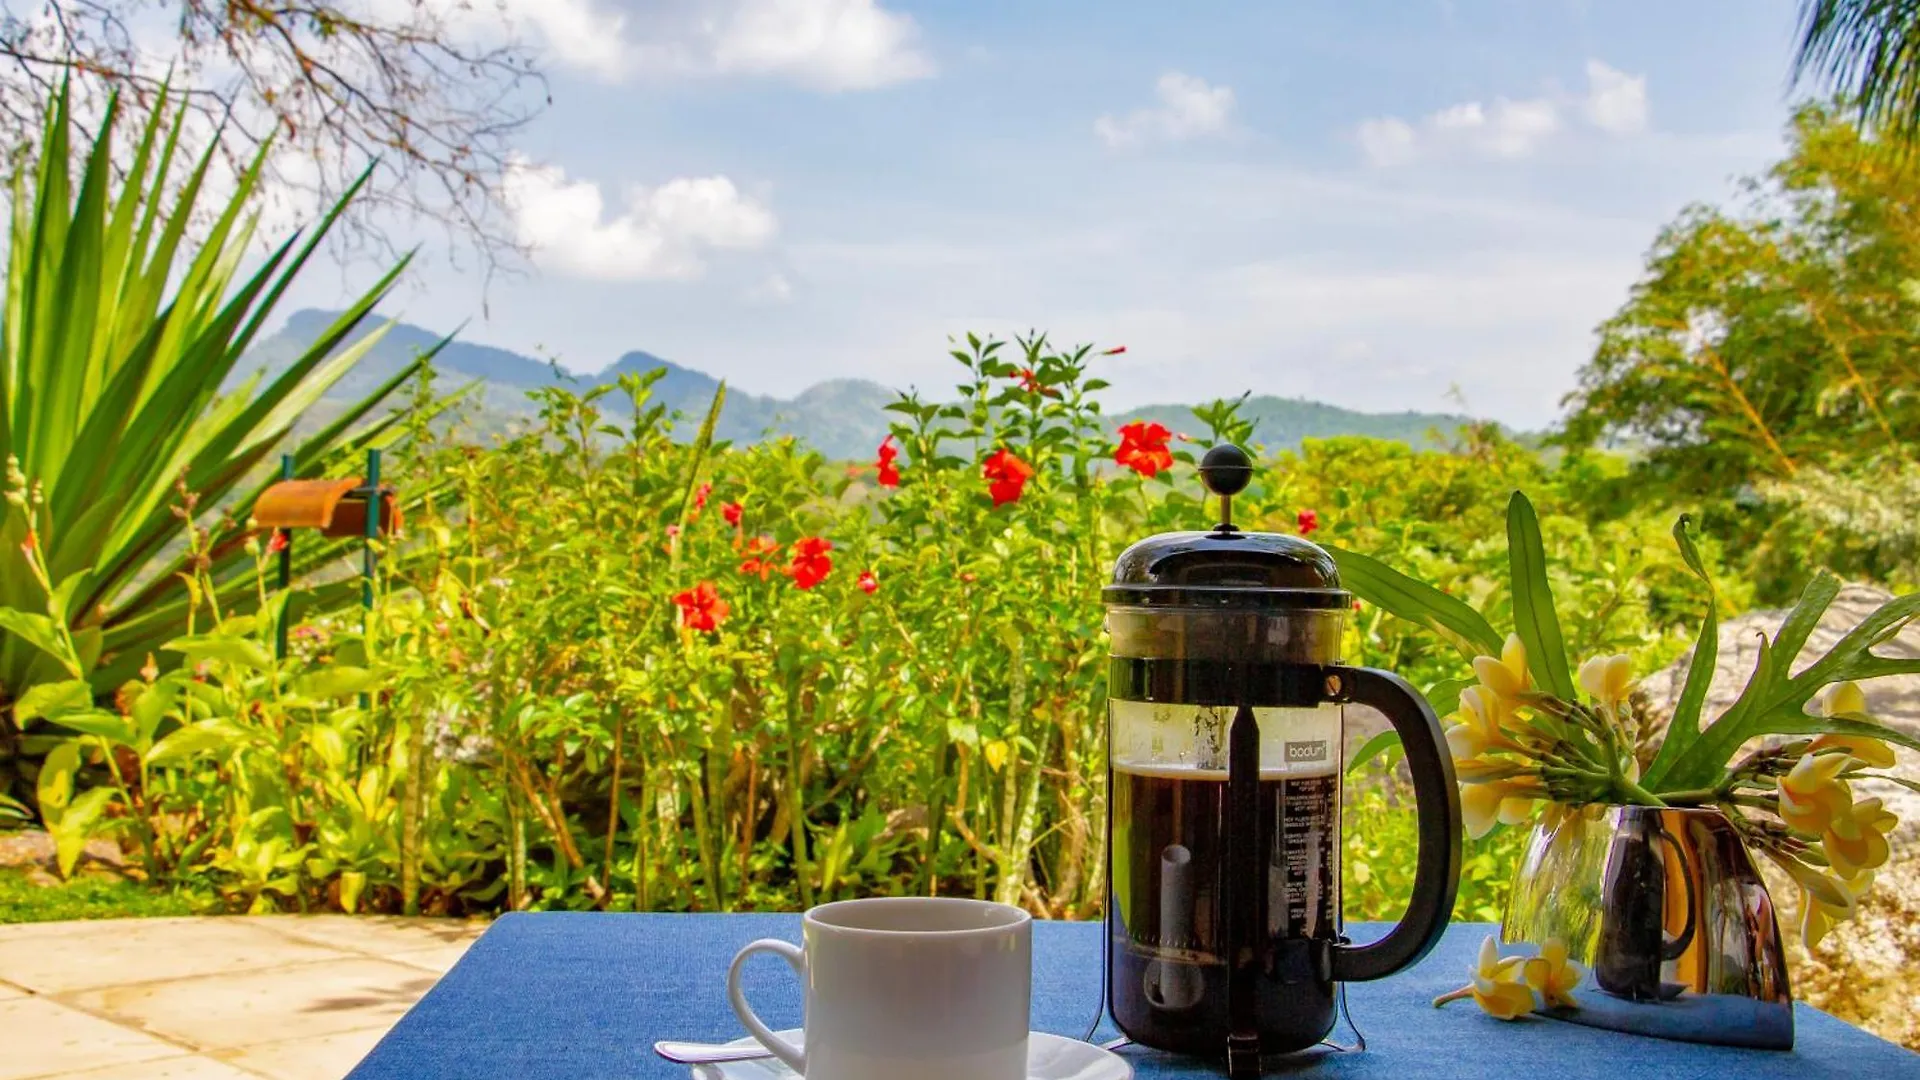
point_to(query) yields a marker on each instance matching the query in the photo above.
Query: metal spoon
(698, 1053)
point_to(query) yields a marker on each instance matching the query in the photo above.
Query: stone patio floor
(231, 998)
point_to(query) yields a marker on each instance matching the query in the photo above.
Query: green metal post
(286, 565)
(366, 550)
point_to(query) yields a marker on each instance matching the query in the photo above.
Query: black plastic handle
(1436, 877)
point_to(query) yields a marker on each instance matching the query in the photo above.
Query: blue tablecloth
(584, 996)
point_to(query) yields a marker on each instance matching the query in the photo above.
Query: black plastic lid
(1226, 568)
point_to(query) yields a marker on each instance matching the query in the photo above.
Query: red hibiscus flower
(868, 583)
(701, 607)
(732, 511)
(1031, 383)
(756, 552)
(700, 496)
(1308, 521)
(1006, 476)
(810, 563)
(1143, 448)
(278, 543)
(889, 472)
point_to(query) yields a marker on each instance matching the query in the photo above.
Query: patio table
(577, 996)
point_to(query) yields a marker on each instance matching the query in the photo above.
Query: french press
(1225, 747)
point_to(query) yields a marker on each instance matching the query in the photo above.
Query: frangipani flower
(1506, 677)
(1813, 798)
(1608, 679)
(1476, 724)
(1495, 802)
(1845, 700)
(1496, 984)
(1866, 849)
(1553, 975)
(1818, 916)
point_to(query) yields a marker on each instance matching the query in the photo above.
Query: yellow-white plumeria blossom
(1475, 725)
(1813, 798)
(1607, 679)
(1495, 802)
(1845, 699)
(1497, 985)
(1866, 849)
(1506, 677)
(1554, 975)
(1818, 916)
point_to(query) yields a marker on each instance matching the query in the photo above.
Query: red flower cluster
(1031, 383)
(278, 543)
(756, 552)
(700, 496)
(1006, 476)
(1143, 448)
(810, 562)
(889, 472)
(701, 607)
(732, 511)
(1308, 521)
(868, 583)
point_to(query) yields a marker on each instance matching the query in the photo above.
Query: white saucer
(1049, 1057)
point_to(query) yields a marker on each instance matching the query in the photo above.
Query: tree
(1774, 338)
(431, 89)
(1869, 52)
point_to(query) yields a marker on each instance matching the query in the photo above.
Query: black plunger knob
(1226, 470)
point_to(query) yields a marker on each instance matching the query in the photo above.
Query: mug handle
(1436, 872)
(777, 1046)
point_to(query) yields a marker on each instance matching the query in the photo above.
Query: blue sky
(1383, 205)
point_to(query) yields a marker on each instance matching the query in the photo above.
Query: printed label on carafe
(1306, 851)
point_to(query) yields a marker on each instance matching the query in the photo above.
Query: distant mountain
(842, 418)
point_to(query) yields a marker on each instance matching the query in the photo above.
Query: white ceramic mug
(930, 988)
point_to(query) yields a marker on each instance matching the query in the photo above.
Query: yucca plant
(116, 342)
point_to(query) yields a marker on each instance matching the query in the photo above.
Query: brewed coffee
(1168, 947)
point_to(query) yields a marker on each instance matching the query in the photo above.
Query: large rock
(1867, 970)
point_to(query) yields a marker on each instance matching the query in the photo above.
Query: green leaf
(1795, 722)
(112, 727)
(52, 699)
(193, 741)
(1798, 626)
(1706, 760)
(337, 681)
(1533, 614)
(54, 788)
(235, 651)
(75, 824)
(1372, 748)
(1444, 695)
(40, 632)
(1416, 602)
(1684, 727)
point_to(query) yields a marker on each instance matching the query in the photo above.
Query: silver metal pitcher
(1665, 910)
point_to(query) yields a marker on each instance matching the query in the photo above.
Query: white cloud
(579, 34)
(664, 232)
(824, 44)
(1387, 140)
(1615, 103)
(828, 45)
(1189, 108)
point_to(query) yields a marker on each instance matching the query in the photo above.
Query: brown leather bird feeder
(335, 507)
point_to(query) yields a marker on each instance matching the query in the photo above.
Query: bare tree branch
(431, 89)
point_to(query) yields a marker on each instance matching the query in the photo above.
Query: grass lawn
(85, 897)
